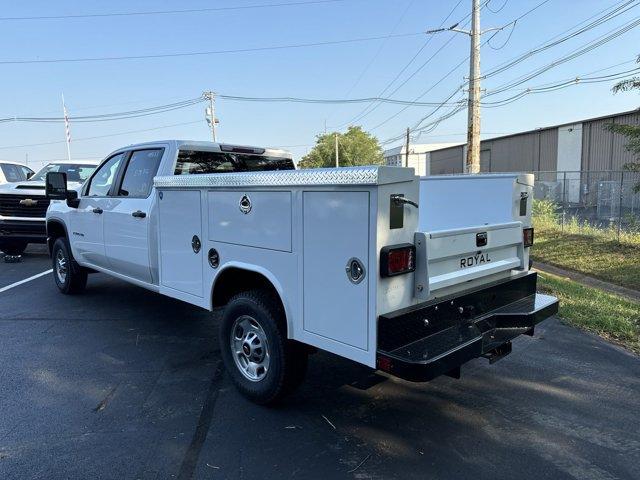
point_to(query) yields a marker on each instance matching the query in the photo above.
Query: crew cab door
(87, 221)
(127, 218)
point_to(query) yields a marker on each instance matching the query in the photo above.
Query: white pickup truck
(410, 276)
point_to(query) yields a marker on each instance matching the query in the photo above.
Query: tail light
(527, 236)
(397, 259)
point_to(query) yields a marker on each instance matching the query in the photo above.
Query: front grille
(23, 228)
(10, 206)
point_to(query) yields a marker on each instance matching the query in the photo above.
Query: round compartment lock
(355, 270)
(245, 204)
(195, 244)
(214, 258)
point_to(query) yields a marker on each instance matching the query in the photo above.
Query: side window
(103, 179)
(138, 178)
(13, 173)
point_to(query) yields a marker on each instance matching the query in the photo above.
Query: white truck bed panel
(461, 201)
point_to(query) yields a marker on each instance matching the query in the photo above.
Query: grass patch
(608, 260)
(608, 315)
(586, 249)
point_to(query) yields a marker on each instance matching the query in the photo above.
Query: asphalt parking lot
(121, 383)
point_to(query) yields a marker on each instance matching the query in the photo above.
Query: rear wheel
(69, 276)
(13, 248)
(263, 364)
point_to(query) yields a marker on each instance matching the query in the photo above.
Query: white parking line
(9, 287)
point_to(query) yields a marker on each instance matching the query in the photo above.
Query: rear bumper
(31, 231)
(436, 338)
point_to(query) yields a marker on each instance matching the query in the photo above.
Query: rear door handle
(139, 214)
(97, 210)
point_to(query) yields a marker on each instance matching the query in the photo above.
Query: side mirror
(72, 199)
(56, 189)
(30, 174)
(56, 186)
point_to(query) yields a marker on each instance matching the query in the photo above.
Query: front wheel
(69, 276)
(263, 364)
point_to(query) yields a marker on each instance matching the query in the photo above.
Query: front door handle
(97, 210)
(139, 214)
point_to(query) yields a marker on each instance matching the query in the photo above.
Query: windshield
(76, 172)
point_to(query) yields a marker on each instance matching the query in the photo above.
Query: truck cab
(112, 224)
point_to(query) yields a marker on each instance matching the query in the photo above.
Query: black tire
(74, 278)
(13, 248)
(287, 362)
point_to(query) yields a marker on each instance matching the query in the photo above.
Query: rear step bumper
(436, 338)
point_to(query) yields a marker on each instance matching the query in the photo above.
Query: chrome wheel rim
(250, 348)
(61, 266)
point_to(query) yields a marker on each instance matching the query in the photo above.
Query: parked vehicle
(14, 172)
(23, 205)
(343, 260)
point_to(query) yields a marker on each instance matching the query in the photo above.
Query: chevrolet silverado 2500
(411, 276)
(23, 205)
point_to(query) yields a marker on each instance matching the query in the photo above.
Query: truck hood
(32, 188)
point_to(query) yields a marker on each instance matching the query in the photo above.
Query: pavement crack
(190, 460)
(103, 403)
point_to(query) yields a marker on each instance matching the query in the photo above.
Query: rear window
(193, 162)
(13, 173)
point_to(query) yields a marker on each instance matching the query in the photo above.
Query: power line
(499, 9)
(393, 101)
(210, 52)
(441, 104)
(171, 12)
(110, 116)
(618, 9)
(531, 10)
(562, 85)
(584, 49)
(81, 139)
(365, 112)
(382, 45)
(513, 62)
(541, 89)
(513, 27)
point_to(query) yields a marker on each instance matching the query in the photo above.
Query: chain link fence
(604, 200)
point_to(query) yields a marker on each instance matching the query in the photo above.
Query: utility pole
(406, 153)
(337, 151)
(210, 113)
(473, 109)
(473, 123)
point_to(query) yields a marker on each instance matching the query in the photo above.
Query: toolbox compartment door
(336, 309)
(180, 220)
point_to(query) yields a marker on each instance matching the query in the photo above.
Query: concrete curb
(628, 293)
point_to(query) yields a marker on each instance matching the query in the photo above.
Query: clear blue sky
(320, 72)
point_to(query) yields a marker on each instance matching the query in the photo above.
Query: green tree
(632, 132)
(355, 147)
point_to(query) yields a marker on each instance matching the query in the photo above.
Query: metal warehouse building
(580, 146)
